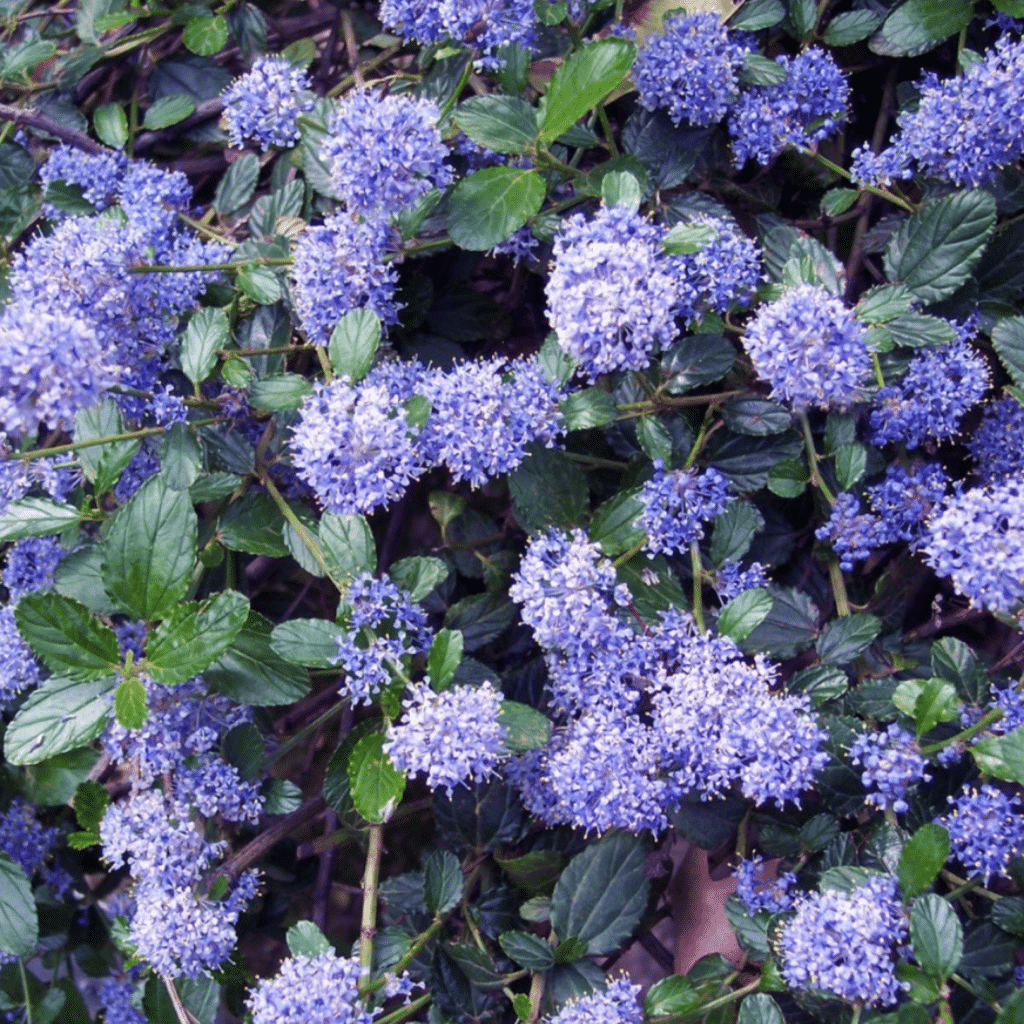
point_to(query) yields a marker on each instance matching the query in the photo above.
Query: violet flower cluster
(892, 764)
(265, 103)
(986, 831)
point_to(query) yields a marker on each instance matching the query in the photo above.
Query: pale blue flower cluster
(359, 448)
(997, 444)
(384, 628)
(892, 764)
(810, 348)
(339, 266)
(311, 990)
(29, 844)
(853, 534)
(691, 69)
(808, 106)
(760, 892)
(451, 737)
(265, 103)
(963, 129)
(30, 566)
(677, 505)
(485, 25)
(385, 152)
(986, 831)
(98, 175)
(115, 997)
(617, 1004)
(733, 578)
(844, 943)
(978, 542)
(940, 385)
(19, 668)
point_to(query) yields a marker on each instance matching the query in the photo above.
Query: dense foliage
(493, 492)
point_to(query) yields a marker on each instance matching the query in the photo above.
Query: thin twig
(29, 117)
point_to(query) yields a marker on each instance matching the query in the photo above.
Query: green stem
(983, 723)
(300, 528)
(184, 1017)
(633, 551)
(405, 1011)
(876, 365)
(963, 883)
(812, 460)
(128, 435)
(410, 954)
(660, 402)
(454, 98)
(277, 350)
(305, 731)
(602, 115)
(191, 268)
(882, 193)
(698, 597)
(595, 461)
(371, 65)
(729, 997)
(368, 925)
(24, 989)
(835, 577)
(431, 246)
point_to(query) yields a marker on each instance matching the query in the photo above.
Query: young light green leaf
(921, 859)
(444, 658)
(168, 110)
(744, 613)
(305, 939)
(586, 77)
(354, 342)
(206, 35)
(376, 784)
(130, 703)
(103, 464)
(111, 124)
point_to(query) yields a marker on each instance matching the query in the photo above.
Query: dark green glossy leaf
(481, 619)
(921, 859)
(697, 360)
(851, 27)
(505, 124)
(525, 727)
(207, 331)
(354, 342)
(419, 575)
(310, 642)
(167, 111)
(759, 1008)
(444, 658)
(489, 206)
(529, 951)
(937, 935)
(1008, 341)
(279, 392)
(588, 408)
(442, 881)
(19, 921)
(376, 785)
(66, 636)
(917, 26)
(35, 517)
(548, 490)
(843, 639)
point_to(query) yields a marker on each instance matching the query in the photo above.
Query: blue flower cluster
(19, 668)
(384, 627)
(733, 578)
(450, 737)
(314, 990)
(385, 152)
(940, 385)
(358, 449)
(808, 106)
(905, 500)
(676, 505)
(963, 129)
(612, 292)
(30, 566)
(978, 541)
(339, 266)
(29, 844)
(810, 348)
(892, 765)
(617, 1004)
(997, 444)
(485, 25)
(759, 891)
(691, 70)
(98, 175)
(986, 831)
(266, 102)
(853, 534)
(115, 997)
(844, 943)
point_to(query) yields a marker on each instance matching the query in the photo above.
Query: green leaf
(280, 392)
(505, 124)
(149, 552)
(759, 1008)
(654, 438)
(922, 857)
(181, 458)
(821, 683)
(851, 460)
(697, 360)
(311, 642)
(917, 26)
(35, 517)
(53, 782)
(761, 70)
(937, 702)
(282, 797)
(419, 575)
(937, 935)
(207, 331)
(754, 15)
(348, 546)
(758, 417)
(733, 532)
(846, 29)
(444, 658)
(194, 636)
(622, 188)
(168, 110)
(601, 895)
(66, 636)
(1008, 914)
(297, 540)
(253, 524)
(481, 617)
(525, 728)
(914, 330)
(838, 200)
(1002, 756)
(1008, 341)
(935, 249)
(103, 464)
(206, 35)
(788, 478)
(529, 951)
(19, 921)
(613, 524)
(744, 613)
(90, 803)
(442, 881)
(130, 703)
(489, 206)
(354, 342)
(548, 490)
(671, 995)
(260, 284)
(305, 939)
(376, 784)
(590, 407)
(579, 84)
(111, 124)
(843, 639)
(60, 715)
